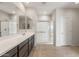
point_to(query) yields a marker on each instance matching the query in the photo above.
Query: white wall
(53, 27)
(67, 27)
(75, 28)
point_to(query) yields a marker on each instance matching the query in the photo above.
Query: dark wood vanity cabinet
(22, 50)
(11, 53)
(31, 43)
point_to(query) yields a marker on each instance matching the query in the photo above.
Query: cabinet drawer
(11, 53)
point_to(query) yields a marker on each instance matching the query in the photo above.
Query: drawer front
(23, 51)
(11, 53)
(23, 43)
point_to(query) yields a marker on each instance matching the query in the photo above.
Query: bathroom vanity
(20, 46)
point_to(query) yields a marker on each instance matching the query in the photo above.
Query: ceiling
(40, 7)
(7, 7)
(48, 7)
(12, 7)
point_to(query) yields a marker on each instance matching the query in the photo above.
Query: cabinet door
(23, 49)
(30, 44)
(32, 41)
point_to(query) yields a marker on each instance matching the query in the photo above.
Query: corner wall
(67, 26)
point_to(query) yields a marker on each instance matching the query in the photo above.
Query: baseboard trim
(68, 45)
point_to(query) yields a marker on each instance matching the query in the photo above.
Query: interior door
(69, 30)
(43, 32)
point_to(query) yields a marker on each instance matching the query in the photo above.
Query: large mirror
(29, 23)
(22, 22)
(8, 26)
(4, 28)
(10, 20)
(25, 23)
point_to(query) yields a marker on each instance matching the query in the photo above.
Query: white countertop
(9, 42)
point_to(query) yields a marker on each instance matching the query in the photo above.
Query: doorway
(43, 32)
